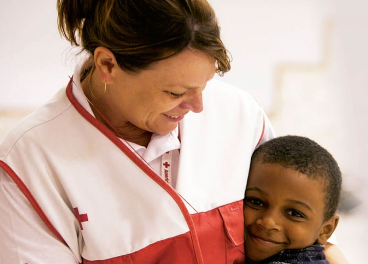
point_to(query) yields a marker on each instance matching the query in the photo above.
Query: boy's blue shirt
(309, 255)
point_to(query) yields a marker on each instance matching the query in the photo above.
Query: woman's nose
(193, 100)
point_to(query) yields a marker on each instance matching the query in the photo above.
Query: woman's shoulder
(223, 95)
(41, 121)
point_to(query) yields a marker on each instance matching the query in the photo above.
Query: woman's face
(157, 98)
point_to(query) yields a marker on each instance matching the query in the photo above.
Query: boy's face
(283, 209)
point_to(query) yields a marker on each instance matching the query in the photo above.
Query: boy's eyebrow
(252, 188)
(301, 203)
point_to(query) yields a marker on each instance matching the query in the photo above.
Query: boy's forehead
(321, 178)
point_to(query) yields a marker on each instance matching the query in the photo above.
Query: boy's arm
(334, 254)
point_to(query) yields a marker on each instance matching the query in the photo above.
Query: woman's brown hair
(140, 32)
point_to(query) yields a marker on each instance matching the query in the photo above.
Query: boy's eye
(295, 213)
(254, 202)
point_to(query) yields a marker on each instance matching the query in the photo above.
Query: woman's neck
(105, 114)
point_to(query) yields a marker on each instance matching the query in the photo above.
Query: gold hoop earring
(105, 88)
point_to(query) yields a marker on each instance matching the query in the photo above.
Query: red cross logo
(81, 217)
(166, 164)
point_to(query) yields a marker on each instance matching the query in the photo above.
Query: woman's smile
(175, 118)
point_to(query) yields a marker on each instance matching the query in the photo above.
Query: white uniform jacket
(105, 204)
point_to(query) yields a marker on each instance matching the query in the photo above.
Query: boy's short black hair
(306, 156)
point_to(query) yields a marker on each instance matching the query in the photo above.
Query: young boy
(290, 202)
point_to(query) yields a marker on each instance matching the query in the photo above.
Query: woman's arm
(334, 254)
(24, 236)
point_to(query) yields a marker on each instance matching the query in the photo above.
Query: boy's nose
(269, 222)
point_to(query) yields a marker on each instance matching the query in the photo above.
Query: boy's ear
(327, 229)
(105, 64)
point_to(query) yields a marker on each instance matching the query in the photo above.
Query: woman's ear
(327, 229)
(105, 64)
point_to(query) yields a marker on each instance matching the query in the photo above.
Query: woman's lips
(174, 118)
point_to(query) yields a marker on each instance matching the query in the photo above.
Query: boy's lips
(266, 240)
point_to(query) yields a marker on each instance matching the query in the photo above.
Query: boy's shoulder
(312, 254)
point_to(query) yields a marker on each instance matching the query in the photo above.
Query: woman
(133, 162)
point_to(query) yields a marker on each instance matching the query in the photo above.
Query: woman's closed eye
(176, 95)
